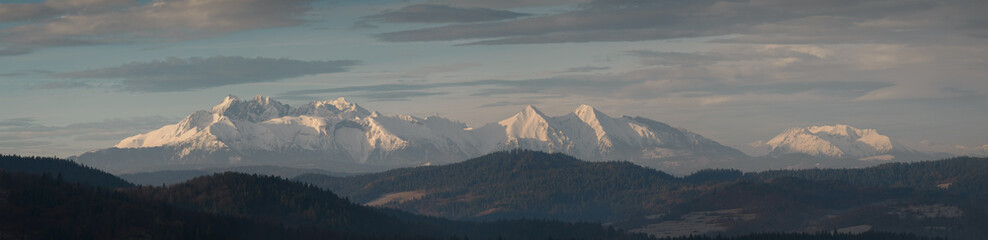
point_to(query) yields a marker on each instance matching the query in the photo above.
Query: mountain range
(340, 136)
(839, 142)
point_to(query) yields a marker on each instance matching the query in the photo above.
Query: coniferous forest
(533, 195)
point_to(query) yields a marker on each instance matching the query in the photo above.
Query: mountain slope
(67, 170)
(962, 175)
(515, 184)
(297, 205)
(337, 135)
(840, 142)
(527, 184)
(41, 207)
(829, 146)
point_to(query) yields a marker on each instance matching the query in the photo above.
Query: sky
(80, 75)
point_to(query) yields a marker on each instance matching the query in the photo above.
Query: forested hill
(298, 205)
(514, 184)
(528, 184)
(43, 207)
(961, 175)
(68, 170)
(273, 199)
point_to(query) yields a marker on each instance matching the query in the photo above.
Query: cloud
(397, 95)
(739, 74)
(29, 130)
(22, 144)
(26, 72)
(17, 122)
(507, 103)
(62, 85)
(501, 4)
(585, 69)
(14, 50)
(178, 74)
(89, 22)
(753, 21)
(435, 13)
(12, 12)
(430, 70)
(490, 87)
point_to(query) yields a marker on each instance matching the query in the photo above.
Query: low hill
(68, 170)
(512, 185)
(297, 205)
(960, 175)
(168, 177)
(43, 207)
(519, 184)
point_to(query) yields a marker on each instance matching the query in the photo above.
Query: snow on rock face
(836, 141)
(254, 130)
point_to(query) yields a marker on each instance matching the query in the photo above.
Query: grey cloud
(362, 24)
(868, 21)
(532, 85)
(648, 57)
(14, 50)
(26, 72)
(62, 85)
(736, 74)
(70, 23)
(17, 122)
(435, 13)
(490, 87)
(397, 95)
(425, 71)
(22, 144)
(11, 12)
(500, 4)
(28, 129)
(585, 69)
(507, 103)
(176, 74)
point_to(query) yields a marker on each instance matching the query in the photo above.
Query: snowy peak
(589, 114)
(530, 123)
(836, 141)
(258, 109)
(336, 133)
(342, 105)
(340, 108)
(836, 130)
(225, 103)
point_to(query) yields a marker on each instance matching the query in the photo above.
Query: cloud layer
(178, 74)
(28, 134)
(762, 21)
(88, 22)
(435, 13)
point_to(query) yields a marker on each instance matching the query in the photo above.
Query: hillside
(961, 175)
(296, 205)
(518, 184)
(514, 184)
(43, 207)
(68, 170)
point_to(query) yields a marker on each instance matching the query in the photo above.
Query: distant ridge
(842, 142)
(67, 170)
(340, 136)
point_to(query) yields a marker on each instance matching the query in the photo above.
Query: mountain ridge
(839, 144)
(337, 135)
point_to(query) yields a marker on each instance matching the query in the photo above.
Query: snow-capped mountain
(839, 142)
(337, 135)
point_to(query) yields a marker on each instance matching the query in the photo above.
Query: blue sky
(77, 75)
